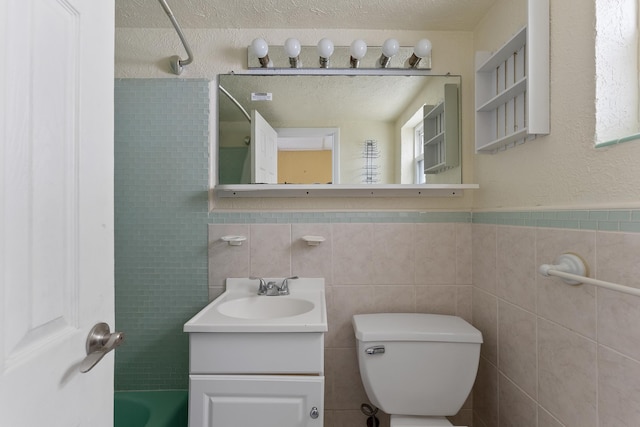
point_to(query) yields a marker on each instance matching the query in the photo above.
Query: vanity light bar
(326, 55)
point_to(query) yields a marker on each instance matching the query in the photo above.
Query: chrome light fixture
(357, 55)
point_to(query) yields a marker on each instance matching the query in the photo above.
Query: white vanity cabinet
(258, 360)
(256, 400)
(261, 379)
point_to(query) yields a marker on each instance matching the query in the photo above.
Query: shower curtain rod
(176, 63)
(226, 92)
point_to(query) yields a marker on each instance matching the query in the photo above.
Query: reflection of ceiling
(435, 15)
(325, 99)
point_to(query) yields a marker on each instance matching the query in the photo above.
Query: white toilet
(419, 368)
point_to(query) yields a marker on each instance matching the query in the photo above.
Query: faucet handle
(284, 288)
(262, 287)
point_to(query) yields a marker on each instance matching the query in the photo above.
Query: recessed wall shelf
(441, 133)
(342, 190)
(512, 86)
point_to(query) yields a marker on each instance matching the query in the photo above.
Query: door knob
(100, 342)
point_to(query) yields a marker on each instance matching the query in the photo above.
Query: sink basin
(263, 307)
(241, 309)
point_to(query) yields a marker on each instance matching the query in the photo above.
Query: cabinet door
(255, 400)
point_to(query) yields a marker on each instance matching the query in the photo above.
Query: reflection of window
(418, 150)
(617, 108)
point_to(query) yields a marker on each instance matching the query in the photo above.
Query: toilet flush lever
(376, 349)
(100, 342)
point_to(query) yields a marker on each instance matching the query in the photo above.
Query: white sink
(260, 307)
(241, 309)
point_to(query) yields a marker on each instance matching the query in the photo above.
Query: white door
(56, 210)
(264, 151)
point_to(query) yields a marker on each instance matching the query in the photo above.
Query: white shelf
(503, 97)
(441, 133)
(512, 86)
(342, 190)
(502, 54)
(504, 142)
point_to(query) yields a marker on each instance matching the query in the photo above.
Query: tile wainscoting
(371, 261)
(554, 355)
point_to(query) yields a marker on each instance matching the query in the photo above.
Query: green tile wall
(161, 182)
(623, 220)
(336, 217)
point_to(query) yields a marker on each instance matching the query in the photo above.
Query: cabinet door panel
(248, 400)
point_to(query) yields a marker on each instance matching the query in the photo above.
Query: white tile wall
(554, 355)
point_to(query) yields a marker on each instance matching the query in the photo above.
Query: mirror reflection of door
(264, 151)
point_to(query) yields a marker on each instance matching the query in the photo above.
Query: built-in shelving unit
(512, 86)
(442, 133)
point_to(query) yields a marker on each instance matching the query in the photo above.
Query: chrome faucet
(262, 287)
(284, 288)
(271, 288)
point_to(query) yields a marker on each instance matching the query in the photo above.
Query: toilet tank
(417, 364)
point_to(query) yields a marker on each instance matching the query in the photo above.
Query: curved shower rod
(176, 63)
(235, 101)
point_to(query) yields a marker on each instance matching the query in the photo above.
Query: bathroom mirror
(321, 129)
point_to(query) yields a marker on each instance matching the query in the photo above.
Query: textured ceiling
(435, 15)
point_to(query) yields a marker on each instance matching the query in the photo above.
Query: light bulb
(422, 48)
(292, 47)
(390, 47)
(358, 49)
(325, 50)
(260, 47)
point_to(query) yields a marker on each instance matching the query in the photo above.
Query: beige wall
(304, 167)
(562, 169)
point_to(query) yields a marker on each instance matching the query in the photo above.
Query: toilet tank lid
(414, 327)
